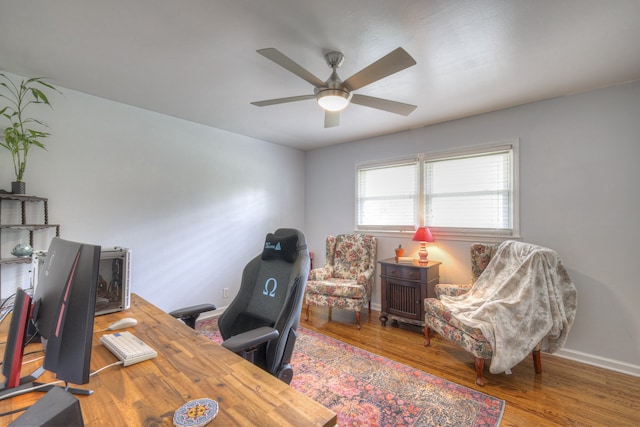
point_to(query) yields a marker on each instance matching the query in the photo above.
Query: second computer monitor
(64, 308)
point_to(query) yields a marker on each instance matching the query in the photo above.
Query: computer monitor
(13, 352)
(64, 308)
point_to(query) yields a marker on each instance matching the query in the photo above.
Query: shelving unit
(31, 228)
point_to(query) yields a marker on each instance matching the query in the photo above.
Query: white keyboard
(128, 348)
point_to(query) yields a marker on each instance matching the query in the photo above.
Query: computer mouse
(127, 322)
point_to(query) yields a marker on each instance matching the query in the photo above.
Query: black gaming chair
(260, 323)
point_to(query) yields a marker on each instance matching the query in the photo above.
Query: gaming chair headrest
(283, 244)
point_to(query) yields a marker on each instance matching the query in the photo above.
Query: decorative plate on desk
(195, 413)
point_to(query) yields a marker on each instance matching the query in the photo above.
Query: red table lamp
(423, 235)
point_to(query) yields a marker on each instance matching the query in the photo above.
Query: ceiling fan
(334, 94)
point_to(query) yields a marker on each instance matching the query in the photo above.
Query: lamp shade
(423, 234)
(333, 99)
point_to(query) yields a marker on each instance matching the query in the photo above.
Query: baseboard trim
(600, 362)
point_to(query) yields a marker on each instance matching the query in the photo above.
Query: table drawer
(402, 272)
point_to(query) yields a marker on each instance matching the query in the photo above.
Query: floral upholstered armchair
(520, 300)
(346, 280)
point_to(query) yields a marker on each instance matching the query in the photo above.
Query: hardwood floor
(566, 393)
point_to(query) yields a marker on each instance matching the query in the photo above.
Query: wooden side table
(404, 288)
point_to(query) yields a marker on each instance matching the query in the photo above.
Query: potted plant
(22, 132)
(399, 252)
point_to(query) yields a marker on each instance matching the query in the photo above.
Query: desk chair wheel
(285, 374)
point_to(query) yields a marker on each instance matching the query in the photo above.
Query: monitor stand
(28, 384)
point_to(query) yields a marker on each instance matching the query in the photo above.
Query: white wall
(193, 203)
(579, 195)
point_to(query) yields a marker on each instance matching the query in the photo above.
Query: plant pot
(18, 187)
(399, 253)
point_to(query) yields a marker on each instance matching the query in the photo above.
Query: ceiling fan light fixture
(333, 99)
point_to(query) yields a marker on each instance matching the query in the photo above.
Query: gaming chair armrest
(250, 339)
(190, 314)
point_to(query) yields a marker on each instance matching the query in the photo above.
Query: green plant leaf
(19, 135)
(43, 83)
(39, 95)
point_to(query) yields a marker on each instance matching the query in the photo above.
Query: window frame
(450, 233)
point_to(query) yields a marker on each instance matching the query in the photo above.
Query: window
(388, 196)
(470, 192)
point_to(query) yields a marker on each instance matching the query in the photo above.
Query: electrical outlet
(225, 293)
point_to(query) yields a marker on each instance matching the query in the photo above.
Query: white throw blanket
(524, 297)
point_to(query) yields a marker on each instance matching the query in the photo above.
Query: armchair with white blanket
(523, 302)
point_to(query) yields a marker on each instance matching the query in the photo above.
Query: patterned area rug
(365, 389)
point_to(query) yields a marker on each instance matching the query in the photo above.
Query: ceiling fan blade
(331, 119)
(283, 100)
(389, 64)
(383, 104)
(284, 61)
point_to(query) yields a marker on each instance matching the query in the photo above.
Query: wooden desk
(189, 366)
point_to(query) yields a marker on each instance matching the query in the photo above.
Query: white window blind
(387, 196)
(470, 192)
(459, 194)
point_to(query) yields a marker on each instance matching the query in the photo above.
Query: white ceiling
(197, 59)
